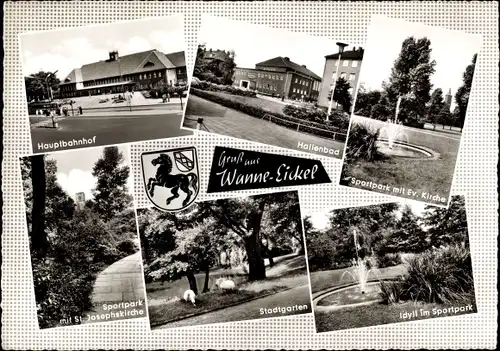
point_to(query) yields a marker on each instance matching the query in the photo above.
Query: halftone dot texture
(344, 21)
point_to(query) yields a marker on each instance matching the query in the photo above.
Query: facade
(279, 77)
(349, 68)
(139, 71)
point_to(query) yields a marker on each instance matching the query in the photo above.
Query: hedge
(207, 86)
(284, 120)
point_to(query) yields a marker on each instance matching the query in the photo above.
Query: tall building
(279, 76)
(448, 99)
(349, 67)
(139, 71)
(80, 200)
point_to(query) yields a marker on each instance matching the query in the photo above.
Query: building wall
(353, 68)
(275, 82)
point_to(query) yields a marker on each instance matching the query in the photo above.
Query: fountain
(393, 141)
(361, 293)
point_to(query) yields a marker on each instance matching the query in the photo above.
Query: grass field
(372, 315)
(165, 302)
(420, 175)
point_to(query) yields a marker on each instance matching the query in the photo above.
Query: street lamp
(341, 50)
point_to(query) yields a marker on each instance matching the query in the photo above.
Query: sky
(452, 51)
(65, 49)
(74, 169)
(256, 43)
(320, 220)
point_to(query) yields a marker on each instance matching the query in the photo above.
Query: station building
(349, 68)
(277, 77)
(139, 71)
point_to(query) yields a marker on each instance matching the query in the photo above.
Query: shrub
(389, 260)
(391, 291)
(284, 120)
(106, 255)
(204, 85)
(127, 246)
(362, 144)
(436, 276)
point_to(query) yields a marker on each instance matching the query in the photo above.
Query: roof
(355, 54)
(286, 63)
(128, 64)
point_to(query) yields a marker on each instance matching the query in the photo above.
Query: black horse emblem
(183, 178)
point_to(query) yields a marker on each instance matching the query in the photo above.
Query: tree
(38, 83)
(381, 110)
(111, 193)
(410, 78)
(407, 235)
(436, 107)
(447, 225)
(341, 94)
(39, 240)
(463, 93)
(365, 100)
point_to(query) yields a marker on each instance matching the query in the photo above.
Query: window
(352, 77)
(307, 84)
(345, 63)
(354, 63)
(159, 74)
(343, 75)
(140, 76)
(294, 90)
(154, 74)
(296, 80)
(149, 76)
(281, 77)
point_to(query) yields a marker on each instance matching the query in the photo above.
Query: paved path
(252, 309)
(120, 282)
(222, 120)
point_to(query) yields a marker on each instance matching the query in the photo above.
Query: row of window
(316, 85)
(270, 76)
(267, 86)
(299, 91)
(352, 76)
(117, 79)
(302, 82)
(350, 63)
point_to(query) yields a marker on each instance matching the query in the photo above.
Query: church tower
(80, 200)
(447, 99)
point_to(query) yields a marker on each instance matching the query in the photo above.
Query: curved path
(120, 282)
(252, 309)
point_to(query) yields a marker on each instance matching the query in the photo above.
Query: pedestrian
(80, 109)
(164, 97)
(168, 97)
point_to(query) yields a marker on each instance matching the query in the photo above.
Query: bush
(388, 260)
(362, 144)
(435, 276)
(127, 246)
(337, 119)
(60, 293)
(284, 120)
(204, 85)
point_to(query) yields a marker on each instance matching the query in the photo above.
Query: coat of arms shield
(171, 177)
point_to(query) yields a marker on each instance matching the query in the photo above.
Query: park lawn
(376, 314)
(206, 302)
(270, 106)
(37, 119)
(322, 280)
(420, 175)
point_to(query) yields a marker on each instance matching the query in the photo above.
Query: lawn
(420, 175)
(366, 316)
(37, 119)
(165, 303)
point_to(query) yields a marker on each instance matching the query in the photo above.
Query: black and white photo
(105, 84)
(389, 263)
(272, 86)
(83, 237)
(410, 110)
(225, 260)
